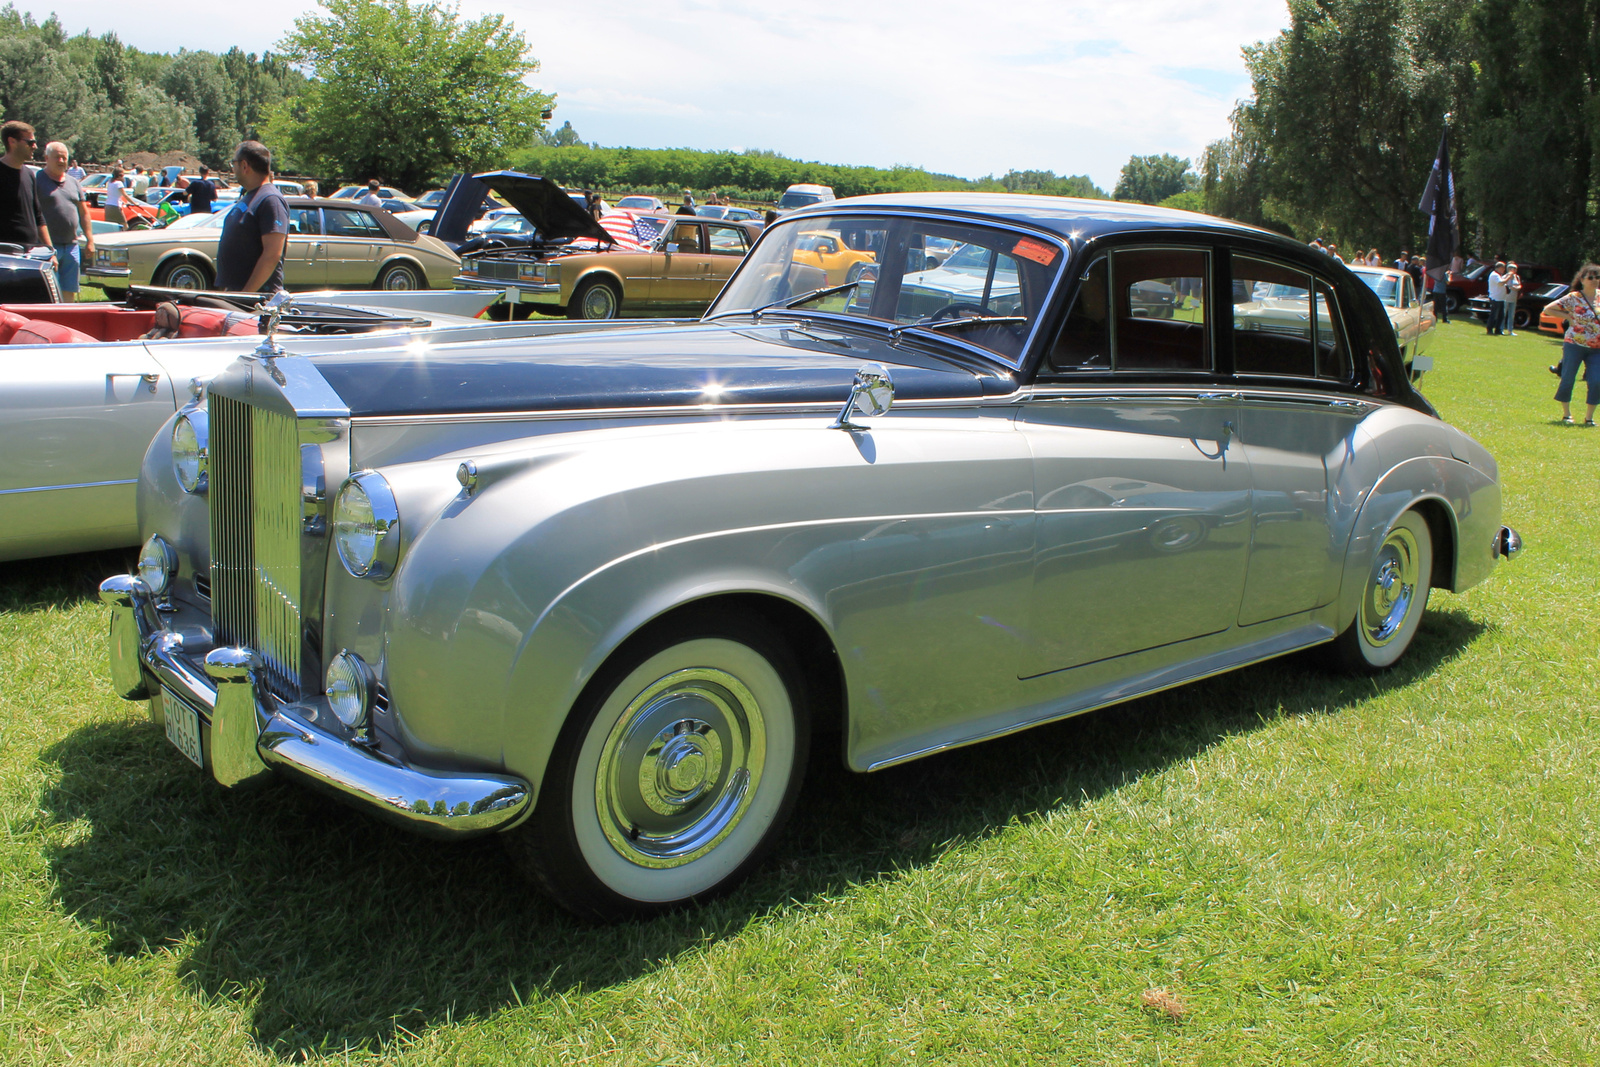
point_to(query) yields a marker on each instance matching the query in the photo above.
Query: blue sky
(1071, 87)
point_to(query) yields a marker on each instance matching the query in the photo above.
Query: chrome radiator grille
(255, 536)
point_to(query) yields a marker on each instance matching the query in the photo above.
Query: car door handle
(152, 380)
(1217, 398)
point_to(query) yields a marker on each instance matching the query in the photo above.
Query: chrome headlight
(366, 526)
(189, 450)
(350, 689)
(158, 564)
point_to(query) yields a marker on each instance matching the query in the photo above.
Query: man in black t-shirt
(20, 222)
(202, 194)
(256, 229)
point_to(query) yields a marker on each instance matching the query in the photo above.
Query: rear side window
(1285, 323)
(1139, 309)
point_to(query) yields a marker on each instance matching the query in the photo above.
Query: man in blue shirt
(256, 229)
(202, 194)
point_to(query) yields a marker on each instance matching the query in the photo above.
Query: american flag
(630, 232)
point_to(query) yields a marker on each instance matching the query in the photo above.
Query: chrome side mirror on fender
(871, 394)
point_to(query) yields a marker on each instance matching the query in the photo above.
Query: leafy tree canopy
(1151, 179)
(406, 92)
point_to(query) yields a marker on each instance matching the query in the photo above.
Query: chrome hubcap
(1392, 588)
(680, 767)
(599, 303)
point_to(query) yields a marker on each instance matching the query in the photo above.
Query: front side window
(686, 235)
(1138, 309)
(977, 284)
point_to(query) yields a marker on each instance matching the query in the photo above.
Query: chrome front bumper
(245, 733)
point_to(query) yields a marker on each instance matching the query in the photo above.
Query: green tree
(565, 137)
(1531, 172)
(407, 92)
(41, 86)
(1344, 119)
(198, 81)
(1151, 179)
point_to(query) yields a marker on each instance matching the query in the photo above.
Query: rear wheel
(1392, 600)
(400, 277)
(595, 298)
(675, 773)
(1453, 300)
(1523, 319)
(183, 275)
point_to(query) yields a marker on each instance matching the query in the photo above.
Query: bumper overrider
(246, 733)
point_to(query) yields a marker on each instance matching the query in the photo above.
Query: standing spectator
(1441, 297)
(1497, 299)
(687, 207)
(1508, 317)
(141, 181)
(1581, 343)
(1333, 250)
(1373, 258)
(65, 211)
(372, 198)
(77, 172)
(256, 229)
(202, 193)
(20, 223)
(311, 188)
(116, 189)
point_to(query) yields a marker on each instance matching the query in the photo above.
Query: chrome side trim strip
(1156, 681)
(74, 485)
(698, 411)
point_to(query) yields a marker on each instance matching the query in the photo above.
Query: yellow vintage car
(828, 250)
(332, 244)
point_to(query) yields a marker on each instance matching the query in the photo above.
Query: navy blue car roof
(1066, 216)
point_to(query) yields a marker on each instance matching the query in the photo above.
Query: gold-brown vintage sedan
(332, 244)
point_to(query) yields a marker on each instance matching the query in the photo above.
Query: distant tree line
(106, 100)
(757, 174)
(1348, 104)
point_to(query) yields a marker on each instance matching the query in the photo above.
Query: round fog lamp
(366, 526)
(349, 690)
(158, 564)
(189, 451)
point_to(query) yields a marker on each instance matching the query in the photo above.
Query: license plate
(183, 726)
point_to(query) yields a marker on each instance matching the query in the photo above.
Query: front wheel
(1392, 601)
(595, 298)
(674, 774)
(1453, 300)
(1523, 319)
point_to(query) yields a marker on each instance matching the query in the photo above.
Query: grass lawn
(1289, 867)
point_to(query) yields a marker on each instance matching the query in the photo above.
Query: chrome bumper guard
(1507, 543)
(248, 734)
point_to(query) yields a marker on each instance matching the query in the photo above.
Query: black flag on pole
(1439, 204)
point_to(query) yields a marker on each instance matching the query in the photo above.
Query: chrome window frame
(1336, 319)
(1045, 305)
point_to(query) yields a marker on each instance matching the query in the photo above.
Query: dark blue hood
(684, 365)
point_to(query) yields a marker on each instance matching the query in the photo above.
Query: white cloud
(1070, 87)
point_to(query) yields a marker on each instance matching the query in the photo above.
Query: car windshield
(893, 271)
(509, 224)
(1387, 286)
(1477, 272)
(793, 199)
(203, 221)
(646, 202)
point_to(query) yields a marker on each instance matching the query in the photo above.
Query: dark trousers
(1497, 312)
(1441, 307)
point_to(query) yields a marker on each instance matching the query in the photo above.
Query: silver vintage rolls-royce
(599, 591)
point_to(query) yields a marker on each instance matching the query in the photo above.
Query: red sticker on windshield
(1037, 251)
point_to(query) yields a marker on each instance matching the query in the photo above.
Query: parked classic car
(81, 395)
(601, 592)
(26, 277)
(331, 243)
(1411, 317)
(578, 267)
(1472, 284)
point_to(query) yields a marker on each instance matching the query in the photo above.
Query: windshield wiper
(803, 298)
(945, 324)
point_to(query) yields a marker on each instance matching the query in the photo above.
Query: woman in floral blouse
(1581, 345)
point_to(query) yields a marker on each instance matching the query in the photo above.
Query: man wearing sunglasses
(20, 222)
